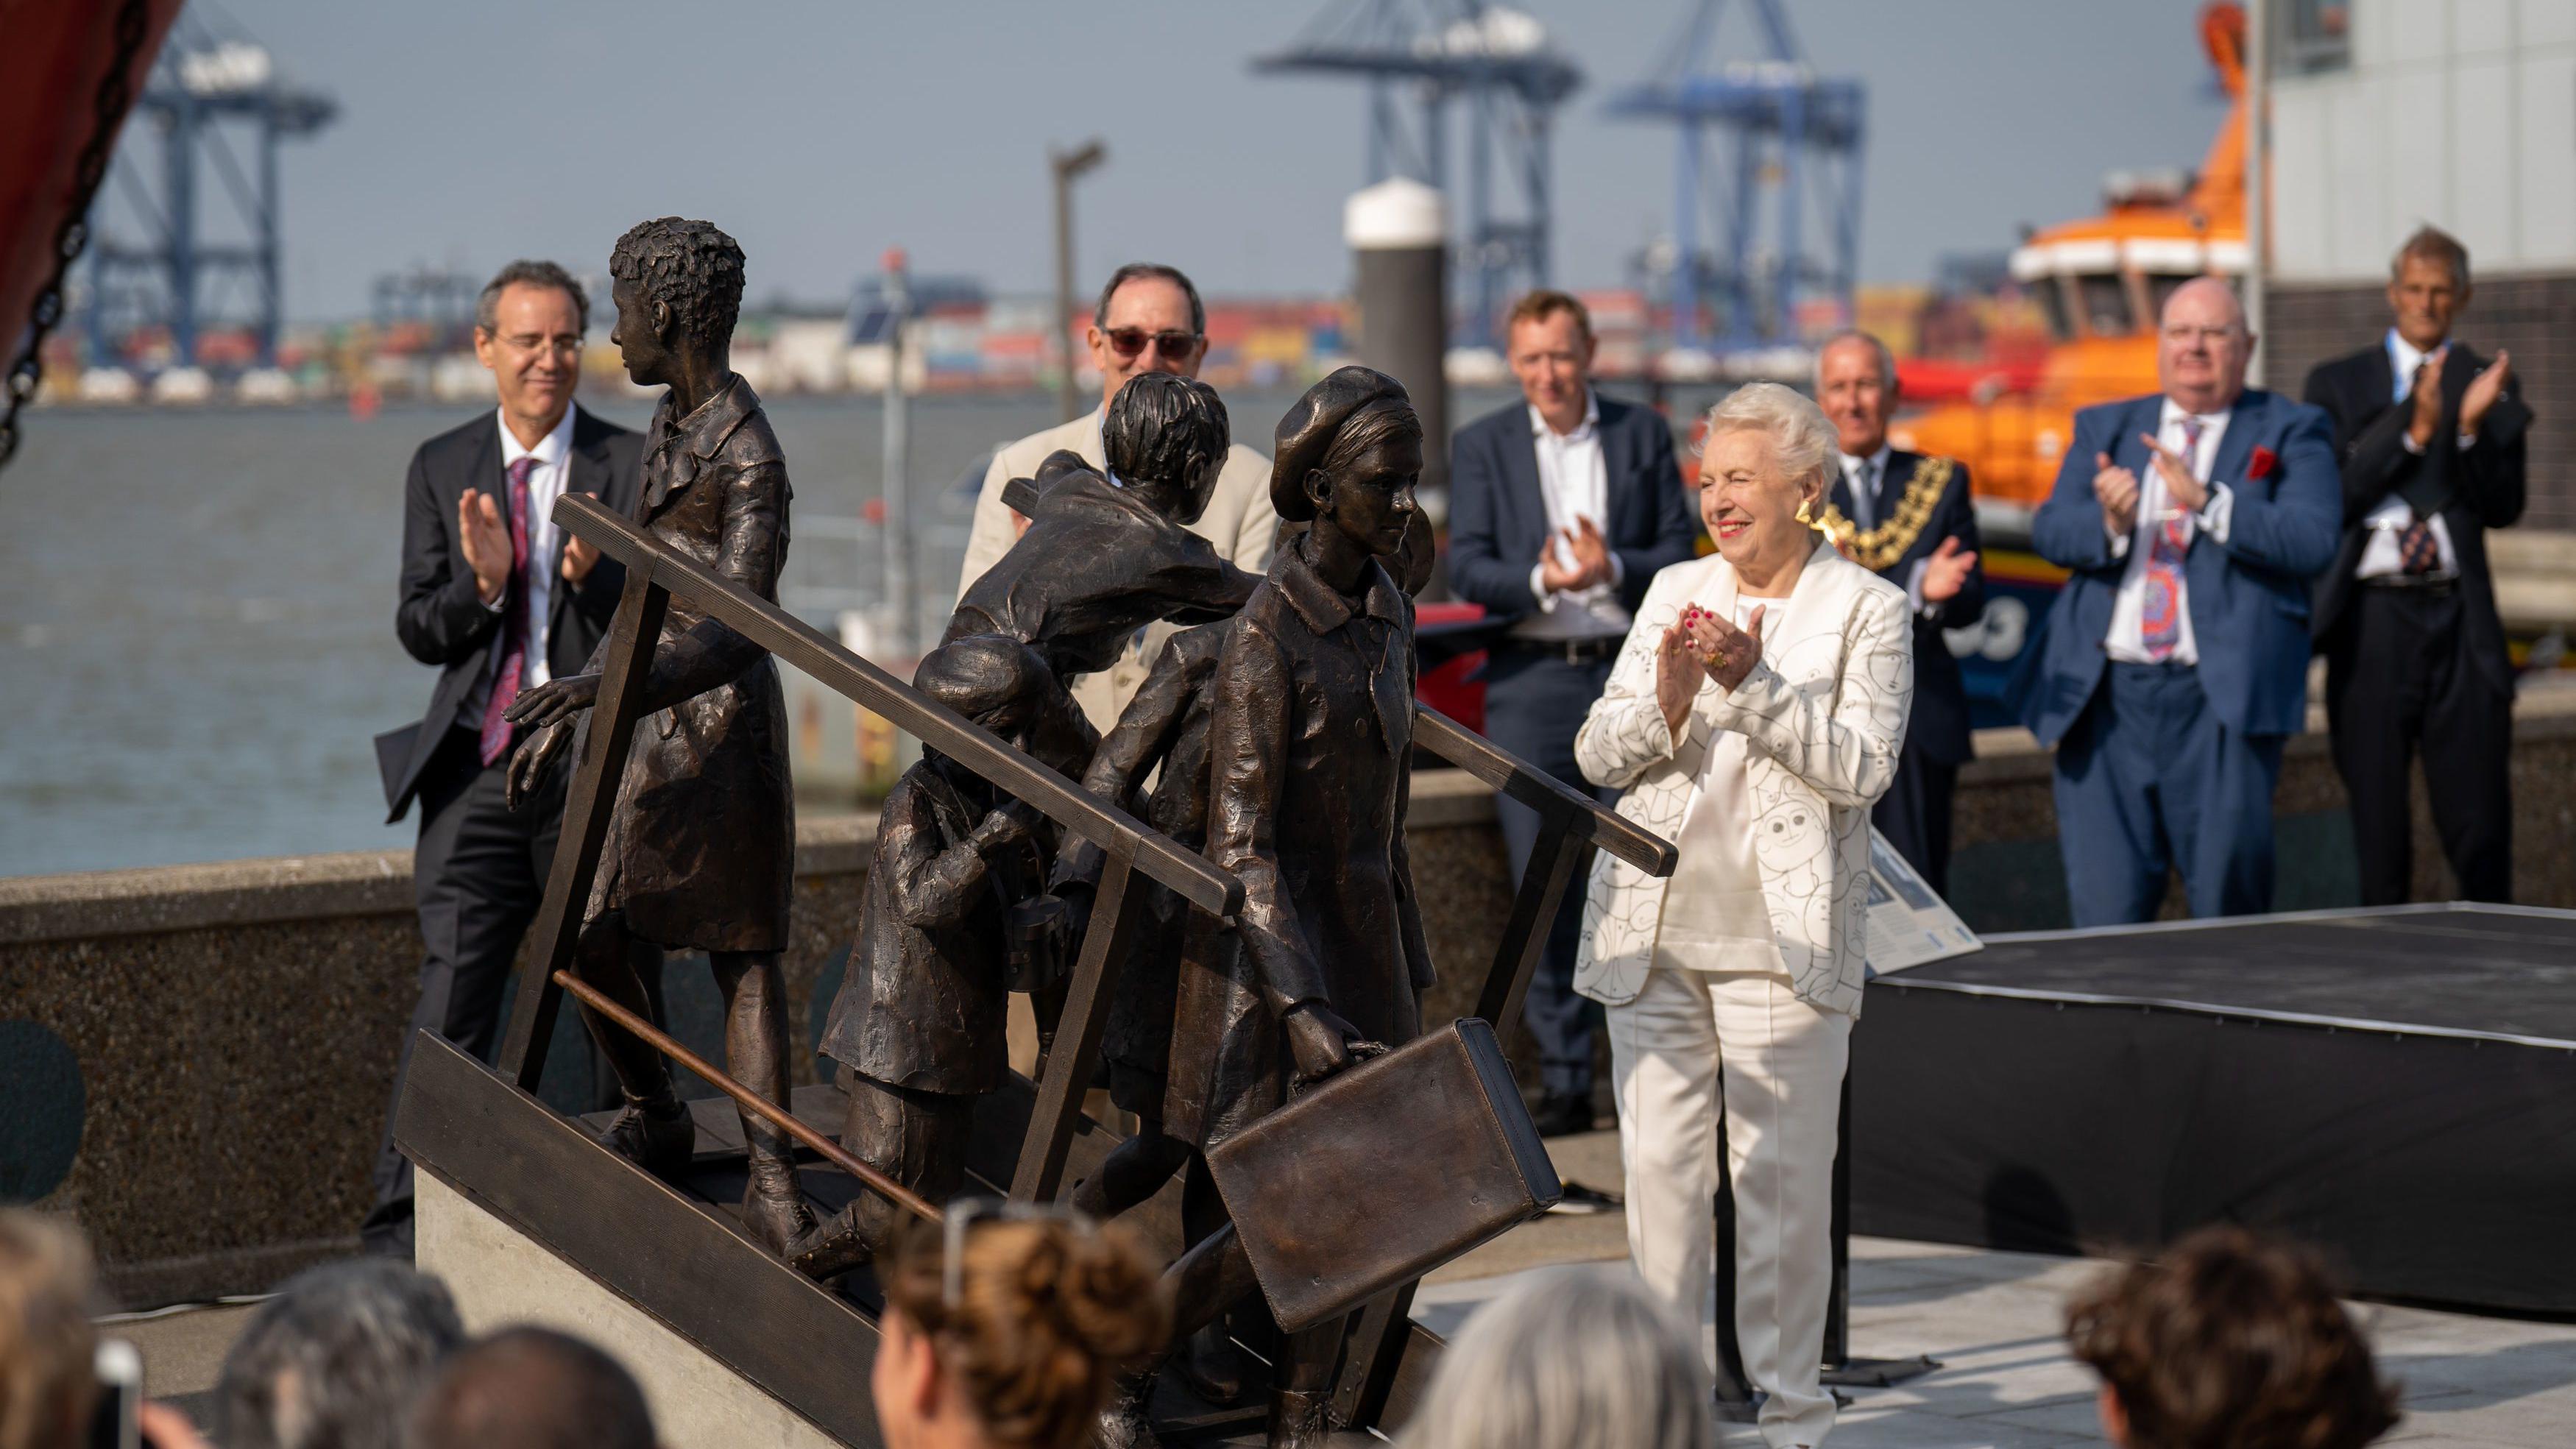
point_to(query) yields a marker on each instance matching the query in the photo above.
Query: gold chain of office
(1885, 544)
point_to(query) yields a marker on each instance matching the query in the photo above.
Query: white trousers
(1694, 1043)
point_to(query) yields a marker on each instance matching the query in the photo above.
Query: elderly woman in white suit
(1753, 718)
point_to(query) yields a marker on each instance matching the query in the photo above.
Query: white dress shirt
(546, 481)
(2381, 556)
(1574, 482)
(2127, 640)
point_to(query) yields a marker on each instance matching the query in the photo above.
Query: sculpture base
(500, 1276)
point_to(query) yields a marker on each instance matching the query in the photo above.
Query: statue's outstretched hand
(553, 701)
(1321, 1043)
(530, 761)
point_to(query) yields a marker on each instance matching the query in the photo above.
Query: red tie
(2160, 620)
(2418, 552)
(497, 732)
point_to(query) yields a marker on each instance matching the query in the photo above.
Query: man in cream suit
(1149, 319)
(1753, 718)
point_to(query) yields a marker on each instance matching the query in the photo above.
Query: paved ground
(1991, 1318)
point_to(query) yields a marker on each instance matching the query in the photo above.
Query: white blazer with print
(1823, 715)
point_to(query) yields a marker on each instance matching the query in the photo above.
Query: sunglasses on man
(1128, 341)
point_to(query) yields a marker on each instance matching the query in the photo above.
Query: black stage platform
(2397, 1086)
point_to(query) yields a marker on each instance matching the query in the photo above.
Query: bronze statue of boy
(701, 848)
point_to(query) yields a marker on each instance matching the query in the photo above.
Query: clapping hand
(1726, 652)
(2116, 489)
(1679, 672)
(485, 540)
(2175, 471)
(1946, 572)
(2484, 389)
(1590, 552)
(2425, 394)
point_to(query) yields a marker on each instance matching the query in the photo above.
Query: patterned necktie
(2160, 619)
(2418, 552)
(1864, 491)
(498, 732)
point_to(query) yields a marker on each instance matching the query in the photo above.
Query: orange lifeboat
(2101, 283)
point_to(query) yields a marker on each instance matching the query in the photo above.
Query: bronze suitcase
(1384, 1172)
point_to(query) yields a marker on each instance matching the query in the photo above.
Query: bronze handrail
(796, 642)
(744, 1097)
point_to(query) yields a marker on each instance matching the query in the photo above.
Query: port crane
(1762, 139)
(1496, 63)
(205, 87)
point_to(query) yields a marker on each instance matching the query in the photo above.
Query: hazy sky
(472, 131)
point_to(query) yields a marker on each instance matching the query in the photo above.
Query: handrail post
(627, 664)
(1553, 861)
(1116, 908)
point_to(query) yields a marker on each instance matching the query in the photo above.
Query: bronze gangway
(672, 1254)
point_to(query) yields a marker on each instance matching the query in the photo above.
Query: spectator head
(1015, 1342)
(1149, 319)
(528, 325)
(678, 289)
(335, 1359)
(1568, 1358)
(1547, 338)
(1856, 386)
(2230, 1339)
(531, 1388)
(1765, 462)
(2202, 346)
(47, 1387)
(1167, 437)
(2428, 285)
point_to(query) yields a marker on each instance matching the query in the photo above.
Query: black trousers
(2399, 680)
(479, 876)
(1914, 815)
(1534, 705)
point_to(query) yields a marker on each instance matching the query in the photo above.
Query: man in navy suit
(2175, 663)
(1909, 518)
(1562, 509)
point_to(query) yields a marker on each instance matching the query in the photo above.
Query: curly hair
(689, 266)
(1165, 429)
(2232, 1339)
(1049, 1310)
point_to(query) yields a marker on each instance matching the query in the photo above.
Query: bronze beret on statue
(1307, 431)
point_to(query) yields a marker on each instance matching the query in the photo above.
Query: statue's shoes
(1212, 1366)
(657, 1140)
(1125, 1422)
(776, 1213)
(830, 1249)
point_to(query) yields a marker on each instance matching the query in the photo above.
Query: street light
(1067, 165)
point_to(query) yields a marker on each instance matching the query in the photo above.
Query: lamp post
(1067, 165)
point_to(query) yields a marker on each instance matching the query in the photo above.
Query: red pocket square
(2260, 465)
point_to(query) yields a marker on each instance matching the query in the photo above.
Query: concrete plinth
(500, 1277)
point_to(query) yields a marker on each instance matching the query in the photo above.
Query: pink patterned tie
(2160, 620)
(497, 732)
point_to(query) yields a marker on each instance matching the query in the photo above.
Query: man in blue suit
(2175, 664)
(1562, 509)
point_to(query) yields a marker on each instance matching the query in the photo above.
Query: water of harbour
(196, 610)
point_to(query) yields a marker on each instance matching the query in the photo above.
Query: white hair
(1878, 349)
(1802, 439)
(1568, 1358)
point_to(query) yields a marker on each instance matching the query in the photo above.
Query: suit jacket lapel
(2236, 445)
(1520, 466)
(1615, 468)
(2382, 375)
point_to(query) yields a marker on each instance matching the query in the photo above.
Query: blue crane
(1761, 138)
(176, 276)
(1500, 65)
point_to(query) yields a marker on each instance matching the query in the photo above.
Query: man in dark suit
(2174, 666)
(498, 599)
(1910, 518)
(2432, 442)
(1562, 508)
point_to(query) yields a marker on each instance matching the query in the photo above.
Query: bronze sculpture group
(1275, 734)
